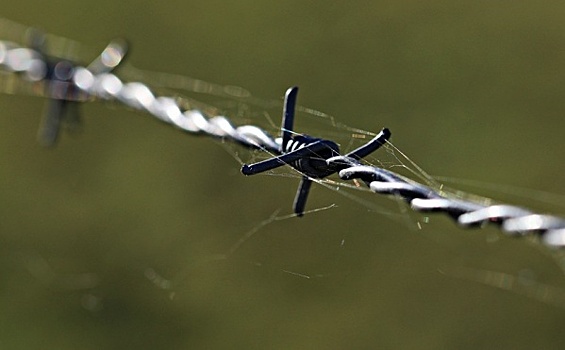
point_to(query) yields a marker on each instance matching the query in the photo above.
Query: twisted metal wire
(76, 83)
(68, 82)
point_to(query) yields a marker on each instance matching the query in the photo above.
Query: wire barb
(68, 83)
(307, 154)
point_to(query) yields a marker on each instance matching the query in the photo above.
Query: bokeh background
(117, 238)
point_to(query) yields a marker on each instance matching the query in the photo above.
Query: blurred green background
(113, 239)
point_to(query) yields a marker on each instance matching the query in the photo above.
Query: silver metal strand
(98, 82)
(137, 95)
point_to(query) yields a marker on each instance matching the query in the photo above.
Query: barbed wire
(66, 83)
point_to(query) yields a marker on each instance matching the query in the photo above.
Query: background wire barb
(64, 81)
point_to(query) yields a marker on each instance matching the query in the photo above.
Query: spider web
(266, 113)
(242, 107)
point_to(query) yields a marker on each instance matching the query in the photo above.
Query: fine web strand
(523, 283)
(529, 194)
